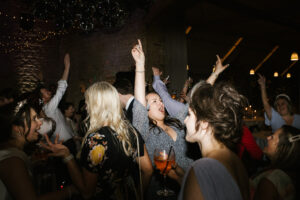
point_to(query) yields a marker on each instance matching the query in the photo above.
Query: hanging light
(275, 74)
(294, 56)
(288, 75)
(252, 72)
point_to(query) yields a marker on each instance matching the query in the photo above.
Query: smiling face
(34, 127)
(156, 107)
(273, 140)
(190, 123)
(282, 106)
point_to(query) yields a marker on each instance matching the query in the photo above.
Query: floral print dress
(118, 174)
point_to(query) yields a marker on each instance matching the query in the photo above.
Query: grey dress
(155, 139)
(214, 180)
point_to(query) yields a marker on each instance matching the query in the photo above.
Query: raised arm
(67, 67)
(218, 70)
(172, 106)
(61, 88)
(183, 93)
(262, 83)
(139, 83)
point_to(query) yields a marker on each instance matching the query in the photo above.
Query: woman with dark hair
(215, 123)
(281, 179)
(19, 125)
(149, 117)
(282, 114)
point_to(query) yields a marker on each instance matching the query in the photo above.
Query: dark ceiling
(218, 24)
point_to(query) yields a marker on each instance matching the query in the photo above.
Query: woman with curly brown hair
(215, 123)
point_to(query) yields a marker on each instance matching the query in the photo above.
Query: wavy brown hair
(222, 107)
(287, 155)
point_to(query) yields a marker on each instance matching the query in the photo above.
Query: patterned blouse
(118, 174)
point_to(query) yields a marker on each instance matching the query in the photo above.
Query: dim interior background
(99, 35)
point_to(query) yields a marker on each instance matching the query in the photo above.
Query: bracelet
(215, 74)
(68, 158)
(139, 71)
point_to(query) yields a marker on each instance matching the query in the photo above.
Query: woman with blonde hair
(111, 151)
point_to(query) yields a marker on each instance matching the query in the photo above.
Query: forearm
(146, 178)
(185, 88)
(139, 84)
(265, 101)
(76, 175)
(65, 74)
(172, 106)
(212, 78)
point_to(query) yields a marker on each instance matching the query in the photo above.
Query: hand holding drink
(164, 160)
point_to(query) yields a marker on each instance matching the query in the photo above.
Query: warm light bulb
(252, 72)
(275, 74)
(294, 56)
(288, 75)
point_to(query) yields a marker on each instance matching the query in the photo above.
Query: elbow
(147, 172)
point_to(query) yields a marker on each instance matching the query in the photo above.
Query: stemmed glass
(164, 159)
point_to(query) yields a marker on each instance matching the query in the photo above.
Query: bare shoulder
(236, 169)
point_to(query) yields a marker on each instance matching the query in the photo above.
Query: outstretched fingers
(140, 44)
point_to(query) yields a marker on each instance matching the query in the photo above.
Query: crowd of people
(106, 149)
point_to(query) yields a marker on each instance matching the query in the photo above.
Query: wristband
(139, 71)
(68, 158)
(215, 74)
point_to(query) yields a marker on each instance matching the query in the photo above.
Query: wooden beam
(232, 48)
(288, 68)
(266, 58)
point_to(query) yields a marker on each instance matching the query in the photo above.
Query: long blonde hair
(104, 109)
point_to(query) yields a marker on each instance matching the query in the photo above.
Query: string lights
(23, 38)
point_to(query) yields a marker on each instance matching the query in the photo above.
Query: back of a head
(288, 149)
(123, 86)
(103, 105)
(222, 107)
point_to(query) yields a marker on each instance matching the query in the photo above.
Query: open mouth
(162, 109)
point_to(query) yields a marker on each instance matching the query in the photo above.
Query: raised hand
(67, 60)
(138, 54)
(57, 148)
(219, 68)
(261, 81)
